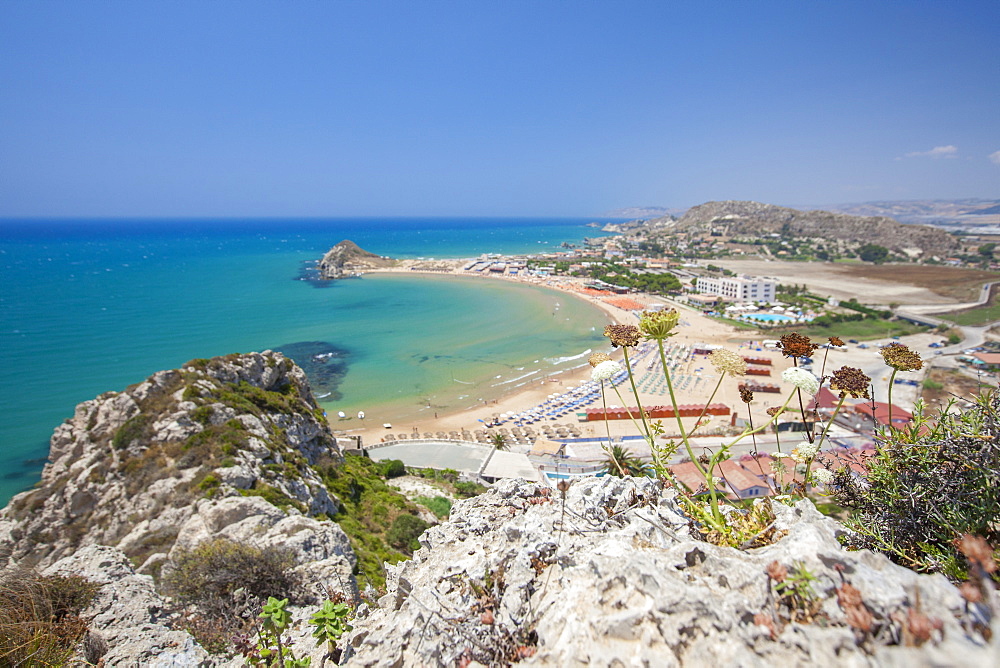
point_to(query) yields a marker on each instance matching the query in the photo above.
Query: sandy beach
(694, 329)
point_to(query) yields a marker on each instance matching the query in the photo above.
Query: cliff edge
(187, 455)
(612, 576)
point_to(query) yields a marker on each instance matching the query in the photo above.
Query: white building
(738, 288)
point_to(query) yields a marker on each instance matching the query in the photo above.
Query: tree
(986, 250)
(873, 253)
(499, 441)
(621, 463)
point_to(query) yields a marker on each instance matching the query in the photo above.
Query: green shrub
(40, 620)
(202, 414)
(392, 468)
(133, 429)
(404, 532)
(217, 576)
(467, 489)
(274, 496)
(439, 505)
(927, 485)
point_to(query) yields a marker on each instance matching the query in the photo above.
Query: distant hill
(947, 212)
(645, 212)
(754, 219)
(925, 212)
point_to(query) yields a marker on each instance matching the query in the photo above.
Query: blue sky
(515, 108)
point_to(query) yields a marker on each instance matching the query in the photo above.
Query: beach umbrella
(361, 415)
(341, 414)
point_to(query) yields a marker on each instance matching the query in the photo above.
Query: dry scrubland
(885, 283)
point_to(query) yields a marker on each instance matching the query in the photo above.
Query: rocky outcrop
(127, 615)
(223, 447)
(612, 576)
(347, 259)
(754, 219)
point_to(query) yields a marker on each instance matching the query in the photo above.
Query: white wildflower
(716, 482)
(606, 370)
(805, 451)
(823, 476)
(802, 379)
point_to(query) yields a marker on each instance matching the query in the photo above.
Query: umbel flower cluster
(705, 503)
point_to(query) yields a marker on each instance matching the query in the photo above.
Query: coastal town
(564, 426)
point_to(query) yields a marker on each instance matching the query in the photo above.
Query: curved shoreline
(536, 391)
(528, 393)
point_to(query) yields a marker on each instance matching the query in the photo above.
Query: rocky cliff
(753, 219)
(605, 572)
(347, 259)
(613, 576)
(221, 447)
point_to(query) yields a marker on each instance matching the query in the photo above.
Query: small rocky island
(347, 259)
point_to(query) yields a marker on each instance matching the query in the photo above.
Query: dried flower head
(597, 358)
(970, 592)
(774, 410)
(802, 379)
(901, 358)
(605, 370)
(848, 380)
(836, 341)
(746, 396)
(622, 335)
(656, 325)
(726, 361)
(977, 551)
(777, 572)
(796, 345)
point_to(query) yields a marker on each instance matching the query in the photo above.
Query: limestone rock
(131, 469)
(128, 613)
(613, 577)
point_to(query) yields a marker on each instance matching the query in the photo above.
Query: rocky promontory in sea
(602, 571)
(346, 259)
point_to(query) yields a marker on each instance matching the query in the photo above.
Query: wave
(516, 378)
(560, 360)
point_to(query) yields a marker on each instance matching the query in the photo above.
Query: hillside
(743, 219)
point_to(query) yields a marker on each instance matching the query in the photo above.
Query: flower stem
(649, 438)
(892, 379)
(677, 413)
(705, 406)
(635, 393)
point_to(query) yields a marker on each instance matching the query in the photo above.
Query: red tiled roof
(825, 398)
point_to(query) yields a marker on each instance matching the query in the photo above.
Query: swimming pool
(768, 317)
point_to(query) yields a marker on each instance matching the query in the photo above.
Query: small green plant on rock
(331, 623)
(271, 648)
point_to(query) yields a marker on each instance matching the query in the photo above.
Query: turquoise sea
(90, 306)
